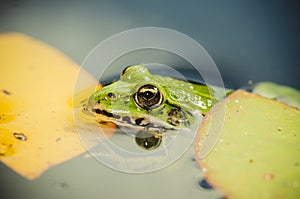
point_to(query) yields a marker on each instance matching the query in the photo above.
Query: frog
(151, 104)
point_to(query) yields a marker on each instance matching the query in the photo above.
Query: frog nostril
(111, 95)
(98, 101)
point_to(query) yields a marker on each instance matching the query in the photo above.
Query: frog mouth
(142, 122)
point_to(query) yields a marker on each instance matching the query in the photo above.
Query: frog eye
(148, 97)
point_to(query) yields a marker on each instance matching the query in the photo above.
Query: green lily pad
(257, 154)
(279, 92)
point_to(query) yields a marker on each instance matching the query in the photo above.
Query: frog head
(142, 101)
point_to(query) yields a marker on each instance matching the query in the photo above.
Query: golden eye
(148, 97)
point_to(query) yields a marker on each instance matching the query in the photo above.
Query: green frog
(151, 104)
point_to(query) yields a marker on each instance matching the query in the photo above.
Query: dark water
(255, 40)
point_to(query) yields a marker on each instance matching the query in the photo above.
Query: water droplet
(204, 184)
(279, 128)
(236, 101)
(204, 170)
(20, 136)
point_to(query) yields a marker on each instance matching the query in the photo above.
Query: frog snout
(86, 109)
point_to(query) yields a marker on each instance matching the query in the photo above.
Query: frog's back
(193, 96)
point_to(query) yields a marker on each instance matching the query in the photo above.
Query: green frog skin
(153, 103)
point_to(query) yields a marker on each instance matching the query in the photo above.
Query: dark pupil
(148, 94)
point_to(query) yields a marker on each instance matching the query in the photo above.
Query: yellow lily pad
(258, 152)
(36, 121)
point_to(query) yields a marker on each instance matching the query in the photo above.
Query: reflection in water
(148, 140)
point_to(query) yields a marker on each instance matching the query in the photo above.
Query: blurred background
(253, 40)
